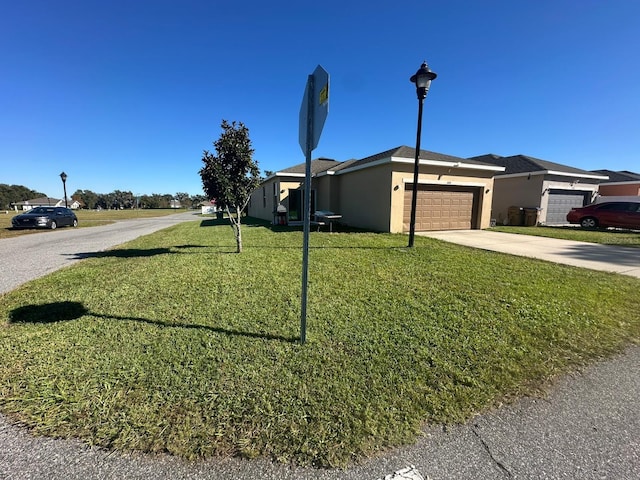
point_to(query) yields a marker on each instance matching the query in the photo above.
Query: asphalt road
(26, 257)
(586, 427)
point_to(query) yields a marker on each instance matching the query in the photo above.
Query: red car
(607, 214)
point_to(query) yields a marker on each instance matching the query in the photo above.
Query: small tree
(231, 175)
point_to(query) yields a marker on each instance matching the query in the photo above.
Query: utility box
(516, 216)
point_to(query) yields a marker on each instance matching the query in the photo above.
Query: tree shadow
(122, 253)
(135, 252)
(48, 313)
(67, 311)
(214, 222)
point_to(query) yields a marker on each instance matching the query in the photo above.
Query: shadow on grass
(214, 222)
(139, 252)
(48, 313)
(68, 311)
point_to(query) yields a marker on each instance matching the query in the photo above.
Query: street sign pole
(306, 213)
(313, 113)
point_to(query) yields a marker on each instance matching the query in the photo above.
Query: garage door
(561, 202)
(441, 208)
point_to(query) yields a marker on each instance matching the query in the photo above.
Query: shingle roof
(619, 176)
(410, 153)
(321, 165)
(526, 164)
(317, 166)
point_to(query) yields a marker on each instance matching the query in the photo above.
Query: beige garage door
(441, 208)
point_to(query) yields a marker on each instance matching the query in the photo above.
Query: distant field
(86, 218)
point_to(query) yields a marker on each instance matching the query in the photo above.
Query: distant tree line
(121, 200)
(16, 193)
(115, 200)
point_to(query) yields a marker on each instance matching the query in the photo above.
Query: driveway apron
(607, 258)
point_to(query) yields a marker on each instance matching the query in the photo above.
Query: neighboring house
(550, 188)
(45, 202)
(620, 184)
(38, 202)
(375, 192)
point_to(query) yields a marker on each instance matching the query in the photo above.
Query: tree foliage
(231, 174)
(16, 193)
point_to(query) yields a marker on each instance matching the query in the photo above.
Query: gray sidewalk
(608, 258)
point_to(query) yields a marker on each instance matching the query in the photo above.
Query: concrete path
(608, 258)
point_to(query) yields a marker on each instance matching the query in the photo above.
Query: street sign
(314, 109)
(313, 113)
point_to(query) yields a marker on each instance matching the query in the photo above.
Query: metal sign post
(313, 113)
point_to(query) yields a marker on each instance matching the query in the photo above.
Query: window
(617, 207)
(264, 197)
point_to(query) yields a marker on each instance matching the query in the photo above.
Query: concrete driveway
(608, 258)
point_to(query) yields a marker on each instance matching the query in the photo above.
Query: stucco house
(375, 192)
(620, 184)
(549, 188)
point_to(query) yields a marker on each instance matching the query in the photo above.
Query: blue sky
(126, 94)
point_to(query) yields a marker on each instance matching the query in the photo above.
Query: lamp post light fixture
(63, 176)
(422, 79)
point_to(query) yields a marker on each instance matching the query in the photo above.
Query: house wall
(257, 207)
(325, 187)
(403, 175)
(365, 197)
(622, 190)
(515, 192)
(276, 191)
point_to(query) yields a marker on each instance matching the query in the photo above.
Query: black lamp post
(63, 176)
(422, 79)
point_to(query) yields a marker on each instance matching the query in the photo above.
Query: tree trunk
(238, 235)
(235, 225)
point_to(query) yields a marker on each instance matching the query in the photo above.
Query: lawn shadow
(137, 252)
(122, 253)
(68, 311)
(615, 254)
(48, 313)
(214, 222)
(224, 331)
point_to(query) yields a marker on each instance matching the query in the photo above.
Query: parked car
(45, 217)
(607, 214)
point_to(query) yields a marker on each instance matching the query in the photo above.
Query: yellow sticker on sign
(324, 94)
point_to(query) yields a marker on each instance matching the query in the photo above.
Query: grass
(86, 218)
(172, 343)
(624, 238)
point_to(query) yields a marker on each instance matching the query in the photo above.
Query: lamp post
(63, 176)
(422, 79)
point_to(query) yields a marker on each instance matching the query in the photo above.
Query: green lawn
(172, 343)
(605, 236)
(86, 218)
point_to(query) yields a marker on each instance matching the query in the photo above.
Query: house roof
(619, 176)
(410, 153)
(519, 164)
(39, 201)
(327, 166)
(317, 166)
